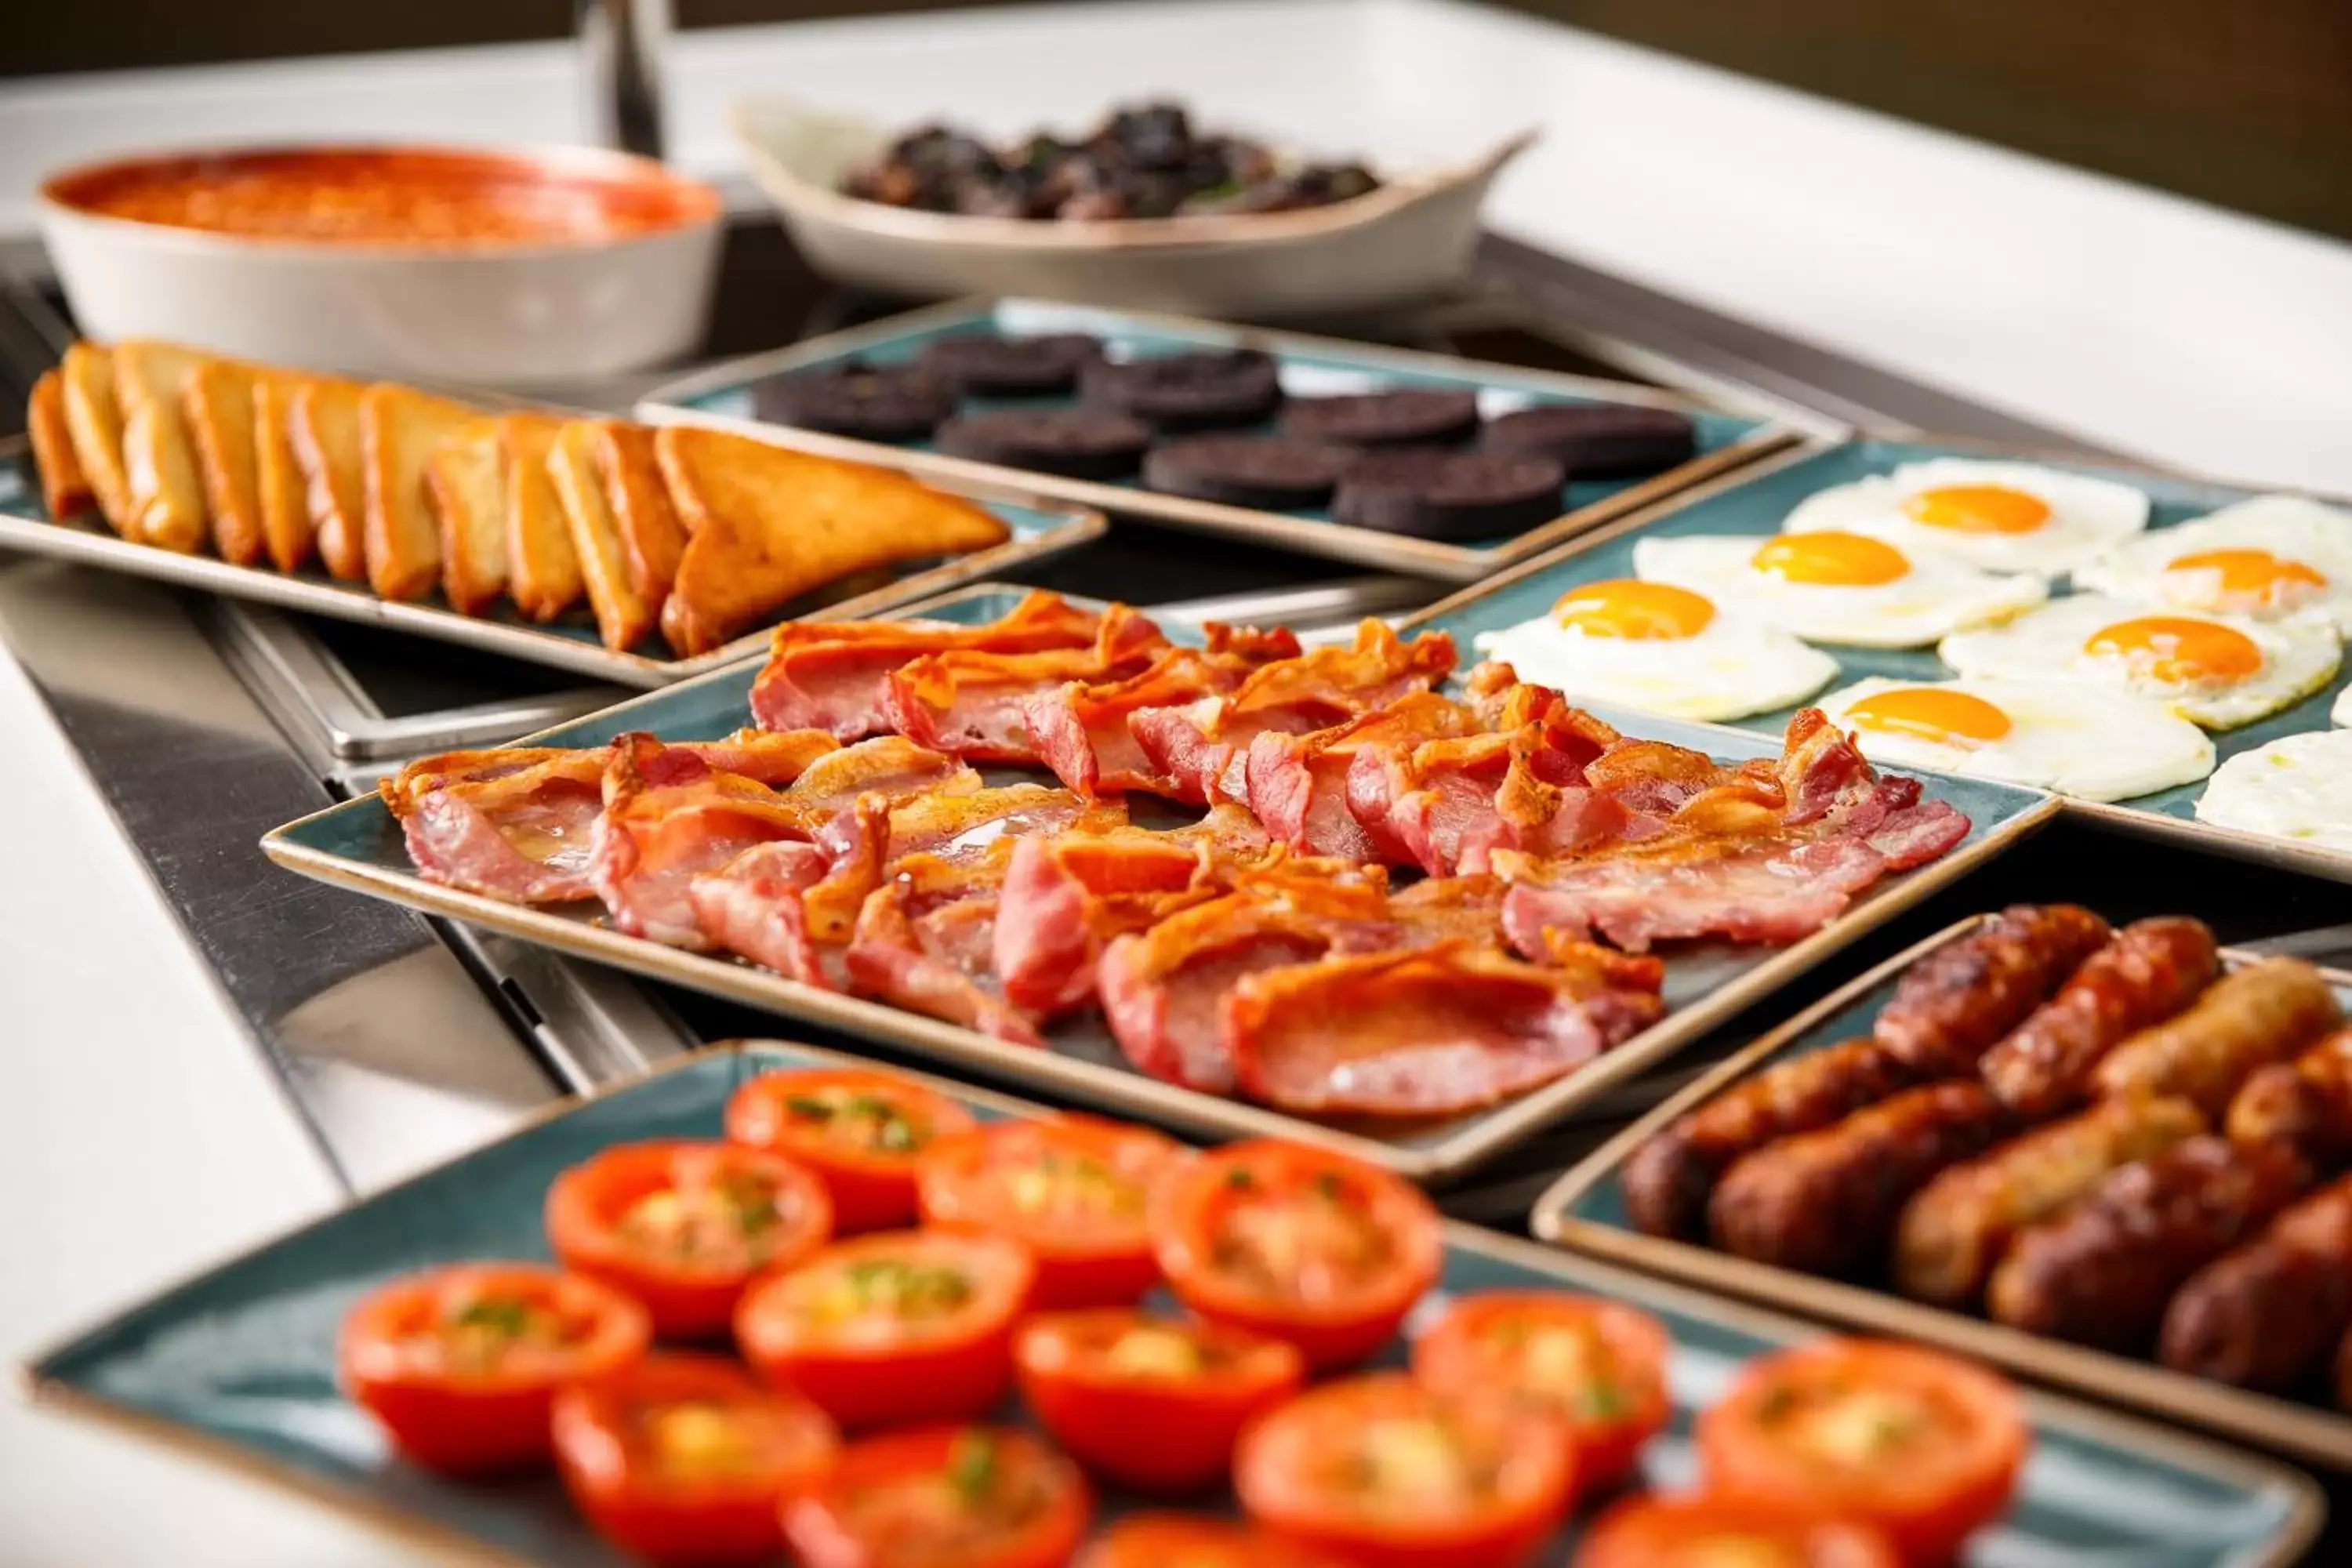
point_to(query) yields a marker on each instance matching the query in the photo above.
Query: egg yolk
(1833, 559)
(2178, 651)
(1931, 713)
(1635, 611)
(1978, 509)
(2239, 580)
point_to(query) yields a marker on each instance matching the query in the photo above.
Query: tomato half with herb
(1311, 1247)
(683, 1227)
(461, 1364)
(1597, 1367)
(1385, 1473)
(1155, 1404)
(943, 1496)
(1924, 1447)
(680, 1460)
(1715, 1533)
(1073, 1189)
(1189, 1540)
(899, 1326)
(860, 1132)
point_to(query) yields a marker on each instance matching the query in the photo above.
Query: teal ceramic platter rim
(1755, 499)
(235, 1364)
(357, 846)
(1042, 526)
(1584, 1211)
(1738, 427)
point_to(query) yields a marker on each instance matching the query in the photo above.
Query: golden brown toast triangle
(770, 524)
(652, 537)
(94, 420)
(65, 489)
(543, 568)
(623, 615)
(327, 445)
(279, 494)
(399, 428)
(466, 478)
(150, 379)
(218, 406)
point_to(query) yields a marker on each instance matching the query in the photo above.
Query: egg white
(2300, 655)
(2289, 527)
(2342, 714)
(2087, 515)
(2297, 788)
(1936, 596)
(1735, 667)
(2071, 739)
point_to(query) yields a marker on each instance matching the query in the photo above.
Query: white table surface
(141, 1136)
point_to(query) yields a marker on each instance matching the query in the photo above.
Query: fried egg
(2044, 733)
(2001, 517)
(2219, 671)
(1837, 587)
(2268, 557)
(2298, 787)
(1662, 649)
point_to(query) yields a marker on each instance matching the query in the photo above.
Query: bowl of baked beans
(489, 265)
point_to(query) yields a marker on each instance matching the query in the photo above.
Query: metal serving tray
(357, 844)
(1041, 526)
(238, 1363)
(1754, 501)
(1585, 1212)
(1740, 428)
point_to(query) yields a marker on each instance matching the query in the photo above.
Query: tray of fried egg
(2164, 652)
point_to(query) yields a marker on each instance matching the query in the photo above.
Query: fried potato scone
(65, 489)
(94, 421)
(218, 405)
(543, 568)
(151, 380)
(287, 532)
(399, 428)
(770, 524)
(466, 478)
(623, 613)
(326, 428)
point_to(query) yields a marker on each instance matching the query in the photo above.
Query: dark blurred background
(2244, 103)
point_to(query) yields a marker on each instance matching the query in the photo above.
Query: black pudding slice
(1414, 417)
(1080, 443)
(880, 403)
(1597, 441)
(1263, 471)
(1209, 391)
(985, 365)
(1449, 495)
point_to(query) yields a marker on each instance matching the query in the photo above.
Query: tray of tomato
(771, 1306)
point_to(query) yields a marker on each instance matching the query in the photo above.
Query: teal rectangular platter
(1755, 500)
(358, 845)
(1727, 436)
(238, 1364)
(1041, 526)
(1585, 1212)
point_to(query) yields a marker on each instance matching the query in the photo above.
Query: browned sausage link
(1825, 1201)
(2102, 1272)
(2151, 969)
(1954, 1002)
(2256, 1016)
(1952, 1233)
(2304, 1105)
(1669, 1178)
(2266, 1315)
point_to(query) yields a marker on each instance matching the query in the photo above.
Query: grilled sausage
(1824, 1201)
(1952, 1233)
(2266, 1315)
(2102, 1272)
(1954, 1002)
(2151, 969)
(1668, 1180)
(2257, 1015)
(2304, 1105)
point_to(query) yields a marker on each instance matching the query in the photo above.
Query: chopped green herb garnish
(754, 1202)
(1240, 1180)
(1328, 1186)
(1599, 1401)
(498, 1314)
(808, 1108)
(972, 1468)
(907, 1288)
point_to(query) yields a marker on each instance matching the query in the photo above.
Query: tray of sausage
(2114, 1158)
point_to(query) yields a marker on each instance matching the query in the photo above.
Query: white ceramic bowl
(1408, 239)
(586, 296)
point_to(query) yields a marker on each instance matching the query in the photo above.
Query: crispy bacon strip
(1429, 1031)
(669, 815)
(1201, 748)
(972, 702)
(829, 675)
(934, 962)
(753, 906)
(1298, 784)
(1080, 730)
